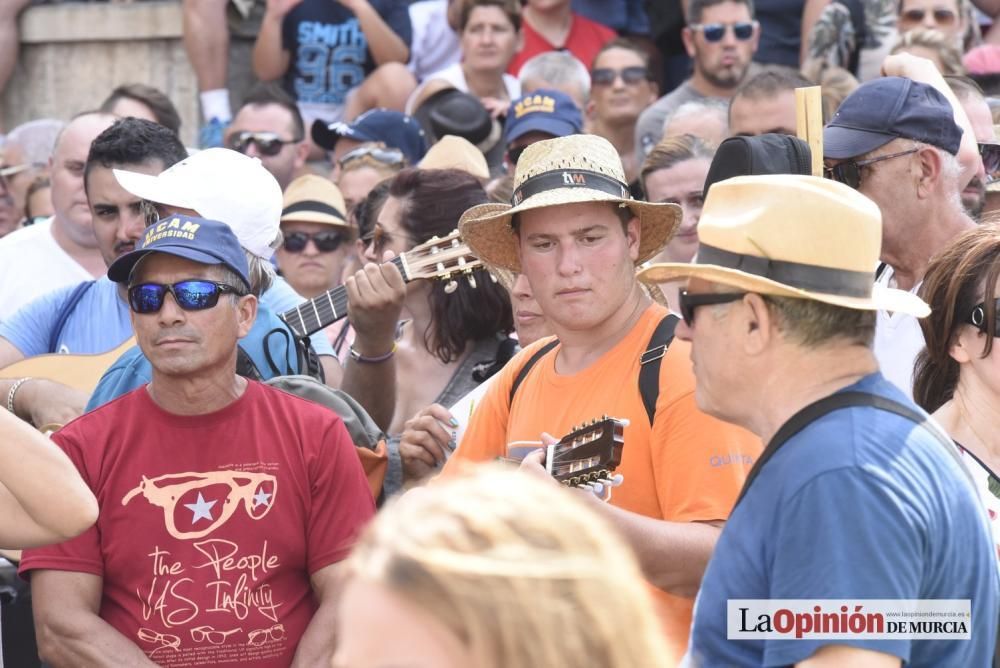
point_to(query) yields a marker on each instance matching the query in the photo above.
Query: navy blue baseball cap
(391, 128)
(543, 110)
(196, 239)
(890, 108)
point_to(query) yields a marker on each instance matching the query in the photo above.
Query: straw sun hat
(313, 199)
(565, 170)
(791, 236)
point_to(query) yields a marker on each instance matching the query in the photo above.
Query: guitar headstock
(589, 453)
(445, 258)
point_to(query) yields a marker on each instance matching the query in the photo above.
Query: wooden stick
(809, 123)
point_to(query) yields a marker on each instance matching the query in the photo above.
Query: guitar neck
(314, 314)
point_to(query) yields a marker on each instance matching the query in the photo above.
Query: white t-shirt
(981, 476)
(898, 340)
(434, 45)
(456, 77)
(32, 264)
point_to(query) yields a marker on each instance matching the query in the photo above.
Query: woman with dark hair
(447, 333)
(957, 375)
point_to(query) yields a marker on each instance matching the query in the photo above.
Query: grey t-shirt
(649, 127)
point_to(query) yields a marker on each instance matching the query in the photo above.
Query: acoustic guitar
(80, 372)
(589, 453)
(445, 258)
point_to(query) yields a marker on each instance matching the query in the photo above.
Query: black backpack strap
(245, 366)
(834, 402)
(522, 373)
(68, 307)
(649, 363)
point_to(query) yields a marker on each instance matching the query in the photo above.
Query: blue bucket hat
(891, 108)
(196, 239)
(543, 110)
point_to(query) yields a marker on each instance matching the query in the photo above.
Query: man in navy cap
(392, 129)
(908, 146)
(541, 114)
(224, 504)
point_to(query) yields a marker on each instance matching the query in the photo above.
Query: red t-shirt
(584, 40)
(210, 525)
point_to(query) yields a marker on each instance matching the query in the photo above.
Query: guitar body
(80, 372)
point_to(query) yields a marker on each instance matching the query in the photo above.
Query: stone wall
(74, 54)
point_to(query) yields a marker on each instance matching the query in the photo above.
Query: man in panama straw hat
(577, 236)
(856, 496)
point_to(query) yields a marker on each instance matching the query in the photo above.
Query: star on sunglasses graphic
(211, 498)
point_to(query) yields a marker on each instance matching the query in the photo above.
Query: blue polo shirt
(96, 324)
(861, 504)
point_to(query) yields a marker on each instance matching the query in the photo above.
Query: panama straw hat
(451, 152)
(314, 199)
(564, 170)
(791, 236)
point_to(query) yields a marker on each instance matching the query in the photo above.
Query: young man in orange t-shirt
(577, 237)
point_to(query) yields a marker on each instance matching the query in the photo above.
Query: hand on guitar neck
(586, 458)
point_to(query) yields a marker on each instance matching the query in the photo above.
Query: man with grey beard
(973, 101)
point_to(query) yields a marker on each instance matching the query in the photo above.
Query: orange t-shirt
(688, 467)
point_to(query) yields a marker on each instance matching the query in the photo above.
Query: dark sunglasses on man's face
(942, 16)
(977, 318)
(191, 295)
(689, 302)
(848, 172)
(267, 143)
(606, 76)
(325, 242)
(714, 32)
(990, 153)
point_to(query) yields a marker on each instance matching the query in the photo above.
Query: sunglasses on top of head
(977, 318)
(191, 295)
(942, 16)
(606, 76)
(325, 242)
(848, 172)
(267, 143)
(392, 157)
(714, 32)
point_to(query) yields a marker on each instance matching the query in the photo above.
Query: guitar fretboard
(314, 314)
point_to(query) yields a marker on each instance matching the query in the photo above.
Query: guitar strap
(649, 364)
(67, 309)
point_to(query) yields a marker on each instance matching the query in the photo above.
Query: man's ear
(246, 314)
(929, 162)
(687, 36)
(633, 235)
(301, 154)
(758, 323)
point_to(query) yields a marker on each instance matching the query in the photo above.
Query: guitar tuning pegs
(471, 279)
(450, 287)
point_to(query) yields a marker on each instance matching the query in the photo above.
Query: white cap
(218, 184)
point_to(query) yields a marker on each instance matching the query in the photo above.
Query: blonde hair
(934, 40)
(520, 571)
(673, 151)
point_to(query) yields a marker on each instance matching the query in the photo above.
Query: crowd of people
(478, 320)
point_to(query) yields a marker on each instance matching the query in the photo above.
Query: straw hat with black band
(314, 199)
(564, 170)
(791, 236)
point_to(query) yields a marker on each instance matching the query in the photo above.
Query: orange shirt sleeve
(485, 438)
(699, 462)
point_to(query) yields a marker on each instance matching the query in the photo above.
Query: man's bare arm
(319, 641)
(673, 555)
(68, 628)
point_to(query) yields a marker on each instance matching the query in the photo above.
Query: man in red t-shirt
(550, 25)
(224, 504)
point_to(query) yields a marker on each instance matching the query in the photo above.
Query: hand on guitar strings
(534, 464)
(428, 439)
